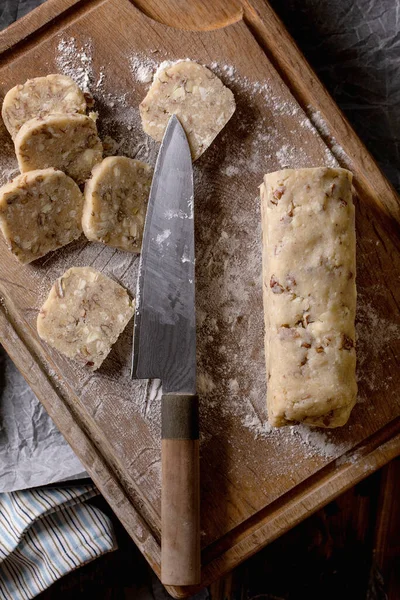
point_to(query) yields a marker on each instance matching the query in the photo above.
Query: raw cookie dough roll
(66, 142)
(39, 212)
(195, 95)
(84, 315)
(309, 295)
(116, 202)
(39, 97)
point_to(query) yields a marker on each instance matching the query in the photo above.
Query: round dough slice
(39, 97)
(84, 315)
(39, 212)
(192, 92)
(66, 142)
(116, 202)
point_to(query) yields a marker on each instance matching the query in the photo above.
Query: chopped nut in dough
(84, 315)
(195, 95)
(39, 212)
(309, 291)
(66, 142)
(39, 97)
(116, 202)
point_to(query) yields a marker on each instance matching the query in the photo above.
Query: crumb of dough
(195, 95)
(40, 211)
(115, 204)
(66, 142)
(40, 97)
(84, 315)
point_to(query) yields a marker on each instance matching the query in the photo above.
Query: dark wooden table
(349, 550)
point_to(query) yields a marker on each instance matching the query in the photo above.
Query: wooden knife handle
(180, 492)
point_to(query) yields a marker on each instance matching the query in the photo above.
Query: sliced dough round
(66, 142)
(39, 97)
(116, 202)
(84, 315)
(192, 92)
(39, 212)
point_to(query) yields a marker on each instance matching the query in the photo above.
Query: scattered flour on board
(320, 124)
(142, 68)
(272, 143)
(231, 170)
(316, 440)
(76, 61)
(374, 334)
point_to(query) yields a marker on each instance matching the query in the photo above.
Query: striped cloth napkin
(45, 533)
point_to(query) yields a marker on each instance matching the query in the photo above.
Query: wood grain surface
(254, 484)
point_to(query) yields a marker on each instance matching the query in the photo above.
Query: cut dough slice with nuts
(39, 97)
(84, 315)
(39, 212)
(116, 202)
(195, 95)
(66, 142)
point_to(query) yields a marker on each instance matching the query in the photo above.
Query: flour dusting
(322, 127)
(75, 60)
(142, 68)
(374, 333)
(317, 441)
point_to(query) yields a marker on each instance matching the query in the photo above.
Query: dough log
(309, 292)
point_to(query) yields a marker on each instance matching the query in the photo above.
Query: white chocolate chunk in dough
(84, 315)
(309, 292)
(196, 96)
(66, 142)
(39, 97)
(39, 212)
(116, 202)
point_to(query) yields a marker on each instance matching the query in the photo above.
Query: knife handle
(180, 490)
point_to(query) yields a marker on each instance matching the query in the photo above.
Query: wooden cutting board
(256, 483)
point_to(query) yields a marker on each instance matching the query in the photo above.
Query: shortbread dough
(66, 142)
(39, 97)
(195, 95)
(309, 291)
(39, 212)
(116, 201)
(84, 315)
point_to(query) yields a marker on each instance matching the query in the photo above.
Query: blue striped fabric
(44, 534)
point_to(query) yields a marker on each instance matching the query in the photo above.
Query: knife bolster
(179, 417)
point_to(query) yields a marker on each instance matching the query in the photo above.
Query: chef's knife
(164, 346)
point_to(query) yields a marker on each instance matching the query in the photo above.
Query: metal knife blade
(164, 337)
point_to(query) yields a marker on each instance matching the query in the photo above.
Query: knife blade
(164, 342)
(164, 346)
